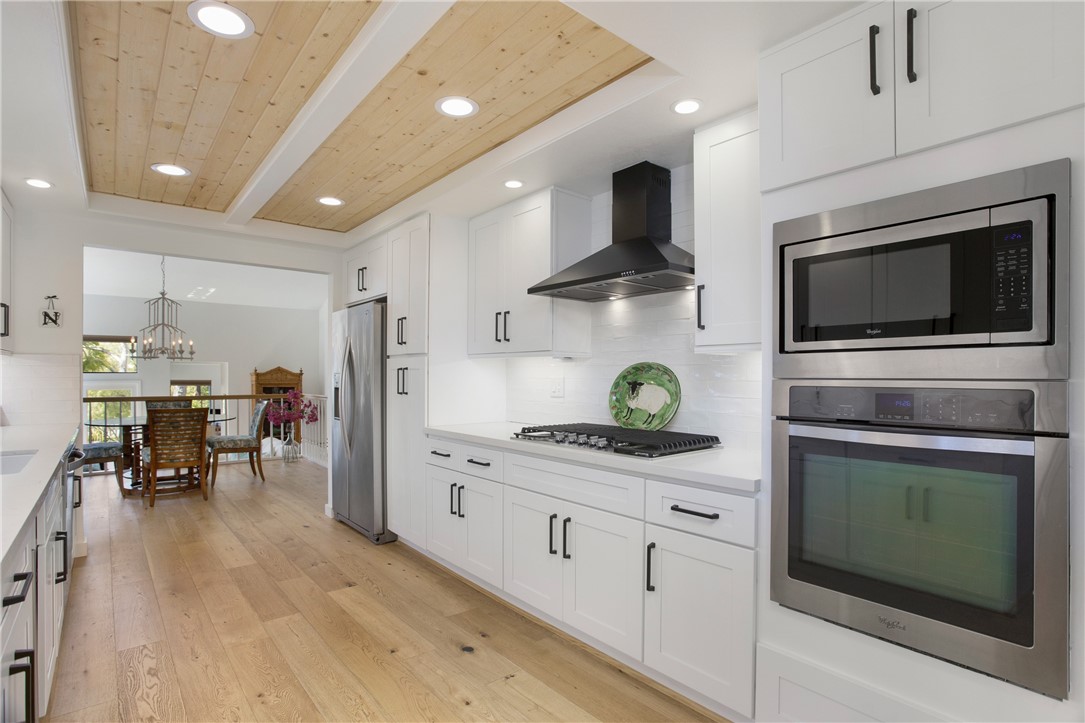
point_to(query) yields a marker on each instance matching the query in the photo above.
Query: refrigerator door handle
(346, 392)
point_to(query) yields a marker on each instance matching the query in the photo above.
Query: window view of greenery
(105, 410)
(106, 354)
(189, 388)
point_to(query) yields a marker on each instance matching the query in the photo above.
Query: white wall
(720, 393)
(244, 337)
(39, 389)
(942, 687)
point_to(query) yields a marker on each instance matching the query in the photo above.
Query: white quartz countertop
(21, 492)
(719, 468)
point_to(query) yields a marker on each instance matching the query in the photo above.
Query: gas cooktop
(639, 442)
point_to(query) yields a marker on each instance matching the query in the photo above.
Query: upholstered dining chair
(176, 440)
(240, 443)
(102, 452)
(172, 404)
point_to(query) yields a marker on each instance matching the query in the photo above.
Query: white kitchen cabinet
(52, 550)
(976, 67)
(727, 236)
(513, 248)
(367, 270)
(17, 668)
(408, 287)
(465, 521)
(982, 66)
(577, 564)
(699, 615)
(6, 241)
(406, 447)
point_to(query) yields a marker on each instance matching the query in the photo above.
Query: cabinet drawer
(704, 512)
(442, 453)
(481, 462)
(609, 491)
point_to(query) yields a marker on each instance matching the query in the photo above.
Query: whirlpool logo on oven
(891, 624)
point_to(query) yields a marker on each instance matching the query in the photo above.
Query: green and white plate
(645, 396)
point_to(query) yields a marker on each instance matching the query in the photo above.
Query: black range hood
(641, 258)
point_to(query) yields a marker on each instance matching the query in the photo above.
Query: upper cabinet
(512, 248)
(408, 287)
(894, 78)
(727, 236)
(5, 279)
(367, 270)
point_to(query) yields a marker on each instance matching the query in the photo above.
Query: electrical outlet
(557, 388)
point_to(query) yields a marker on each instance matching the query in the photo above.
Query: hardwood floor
(256, 606)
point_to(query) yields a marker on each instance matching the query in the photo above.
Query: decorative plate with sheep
(645, 396)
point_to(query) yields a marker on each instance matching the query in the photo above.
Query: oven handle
(948, 442)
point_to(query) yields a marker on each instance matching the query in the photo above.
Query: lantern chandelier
(161, 337)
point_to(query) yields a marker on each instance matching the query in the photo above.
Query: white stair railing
(314, 442)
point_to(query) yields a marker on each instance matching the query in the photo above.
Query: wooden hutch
(277, 381)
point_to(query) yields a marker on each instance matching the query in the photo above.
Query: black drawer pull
(695, 513)
(700, 324)
(78, 501)
(553, 550)
(459, 501)
(506, 324)
(62, 536)
(6, 310)
(446, 455)
(497, 326)
(649, 586)
(29, 687)
(28, 582)
(912, 77)
(875, 89)
(565, 538)
(480, 464)
(452, 499)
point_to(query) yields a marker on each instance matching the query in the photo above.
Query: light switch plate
(557, 388)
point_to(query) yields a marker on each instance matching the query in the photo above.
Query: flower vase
(291, 449)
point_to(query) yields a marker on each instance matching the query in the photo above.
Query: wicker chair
(177, 438)
(240, 443)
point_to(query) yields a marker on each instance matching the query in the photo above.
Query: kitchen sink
(14, 461)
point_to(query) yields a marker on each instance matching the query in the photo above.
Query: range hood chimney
(641, 258)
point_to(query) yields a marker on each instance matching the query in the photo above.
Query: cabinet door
(819, 112)
(486, 235)
(699, 618)
(532, 559)
(444, 529)
(408, 292)
(399, 282)
(405, 456)
(371, 274)
(982, 66)
(727, 236)
(603, 579)
(51, 563)
(5, 280)
(17, 634)
(527, 322)
(482, 510)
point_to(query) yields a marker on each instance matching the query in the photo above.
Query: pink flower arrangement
(292, 409)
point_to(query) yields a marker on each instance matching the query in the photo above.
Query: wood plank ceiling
(156, 89)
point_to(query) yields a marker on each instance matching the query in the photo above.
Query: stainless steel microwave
(976, 270)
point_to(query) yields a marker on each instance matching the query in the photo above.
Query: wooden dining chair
(250, 443)
(176, 440)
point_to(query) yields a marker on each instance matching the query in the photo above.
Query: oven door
(967, 279)
(946, 543)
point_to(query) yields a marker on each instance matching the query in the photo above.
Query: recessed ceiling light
(200, 292)
(615, 298)
(38, 183)
(220, 19)
(457, 106)
(513, 184)
(170, 170)
(685, 107)
(330, 201)
(690, 288)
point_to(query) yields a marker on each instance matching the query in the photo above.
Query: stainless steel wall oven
(868, 291)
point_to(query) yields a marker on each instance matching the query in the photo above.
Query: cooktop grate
(640, 442)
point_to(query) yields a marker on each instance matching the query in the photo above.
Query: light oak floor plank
(253, 605)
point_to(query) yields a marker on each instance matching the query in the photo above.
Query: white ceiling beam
(394, 29)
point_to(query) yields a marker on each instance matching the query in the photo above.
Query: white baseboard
(329, 511)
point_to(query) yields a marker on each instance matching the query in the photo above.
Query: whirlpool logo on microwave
(873, 332)
(891, 624)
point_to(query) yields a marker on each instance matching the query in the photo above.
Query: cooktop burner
(639, 442)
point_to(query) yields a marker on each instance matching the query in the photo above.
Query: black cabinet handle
(446, 455)
(912, 77)
(497, 326)
(406, 393)
(28, 582)
(361, 279)
(506, 325)
(26, 669)
(649, 586)
(475, 461)
(399, 380)
(62, 536)
(459, 501)
(874, 87)
(401, 331)
(452, 499)
(78, 501)
(553, 550)
(695, 513)
(565, 538)
(926, 504)
(6, 312)
(700, 324)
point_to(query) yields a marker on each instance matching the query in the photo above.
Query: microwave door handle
(947, 442)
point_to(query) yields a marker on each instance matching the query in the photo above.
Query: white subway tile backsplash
(40, 388)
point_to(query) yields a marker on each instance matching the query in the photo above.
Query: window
(191, 388)
(100, 422)
(107, 354)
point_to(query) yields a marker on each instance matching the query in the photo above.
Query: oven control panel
(1003, 409)
(1012, 278)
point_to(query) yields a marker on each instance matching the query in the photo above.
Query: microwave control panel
(1011, 278)
(1003, 409)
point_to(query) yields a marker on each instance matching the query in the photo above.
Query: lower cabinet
(577, 564)
(699, 614)
(52, 585)
(20, 662)
(464, 522)
(404, 464)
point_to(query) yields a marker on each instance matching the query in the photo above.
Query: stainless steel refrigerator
(358, 483)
